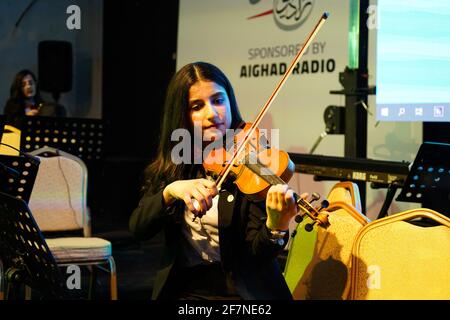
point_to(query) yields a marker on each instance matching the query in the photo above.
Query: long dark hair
(16, 92)
(176, 115)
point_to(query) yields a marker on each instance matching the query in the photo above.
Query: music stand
(78, 136)
(428, 181)
(19, 183)
(25, 253)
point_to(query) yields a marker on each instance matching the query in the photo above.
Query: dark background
(139, 58)
(139, 50)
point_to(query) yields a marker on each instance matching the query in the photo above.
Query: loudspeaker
(55, 66)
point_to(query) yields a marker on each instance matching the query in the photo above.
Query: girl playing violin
(218, 244)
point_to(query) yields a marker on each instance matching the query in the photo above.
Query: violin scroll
(314, 213)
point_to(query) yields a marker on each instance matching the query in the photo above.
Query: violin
(255, 166)
(260, 167)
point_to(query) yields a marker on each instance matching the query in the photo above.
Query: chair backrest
(346, 191)
(58, 198)
(318, 263)
(394, 258)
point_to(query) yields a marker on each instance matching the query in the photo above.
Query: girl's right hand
(201, 190)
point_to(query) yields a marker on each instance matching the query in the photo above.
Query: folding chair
(58, 203)
(401, 257)
(318, 263)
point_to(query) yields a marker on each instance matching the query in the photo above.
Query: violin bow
(221, 178)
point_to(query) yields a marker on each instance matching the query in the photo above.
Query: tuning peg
(314, 196)
(298, 218)
(309, 226)
(323, 205)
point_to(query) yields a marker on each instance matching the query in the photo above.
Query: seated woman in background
(25, 100)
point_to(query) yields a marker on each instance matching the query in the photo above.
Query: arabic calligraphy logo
(291, 14)
(288, 14)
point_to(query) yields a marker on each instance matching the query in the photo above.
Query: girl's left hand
(280, 207)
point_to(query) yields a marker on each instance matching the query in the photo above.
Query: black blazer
(245, 248)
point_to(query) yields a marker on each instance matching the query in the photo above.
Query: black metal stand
(25, 254)
(80, 137)
(390, 194)
(18, 178)
(356, 91)
(428, 181)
